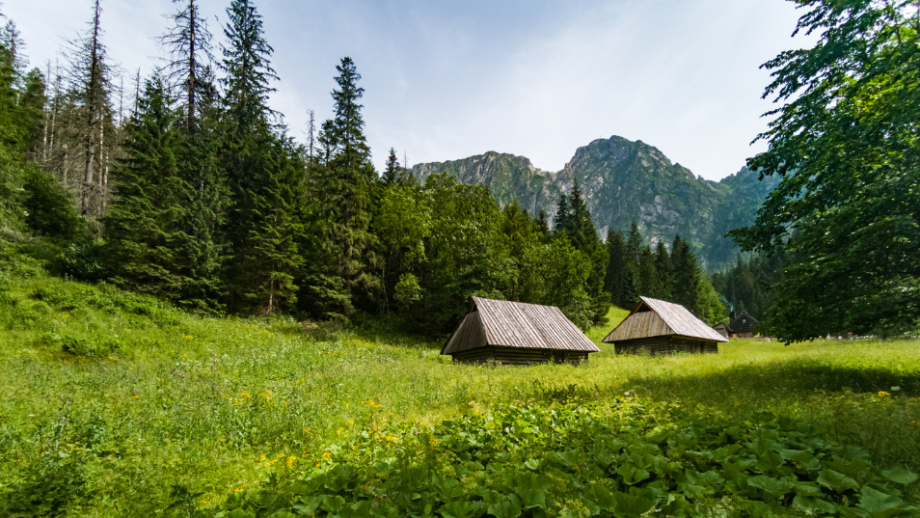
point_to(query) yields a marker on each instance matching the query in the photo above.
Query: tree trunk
(191, 67)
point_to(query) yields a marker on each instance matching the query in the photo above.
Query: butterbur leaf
(878, 504)
(459, 509)
(506, 507)
(631, 474)
(836, 481)
(635, 503)
(332, 504)
(240, 513)
(605, 457)
(899, 475)
(773, 486)
(531, 498)
(807, 489)
(532, 464)
(813, 506)
(600, 498)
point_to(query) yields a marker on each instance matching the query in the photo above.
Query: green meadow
(115, 404)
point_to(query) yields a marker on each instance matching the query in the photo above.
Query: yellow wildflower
(882, 393)
(239, 489)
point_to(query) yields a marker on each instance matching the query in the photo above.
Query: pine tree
(188, 43)
(345, 179)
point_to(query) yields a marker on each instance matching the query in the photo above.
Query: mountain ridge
(624, 181)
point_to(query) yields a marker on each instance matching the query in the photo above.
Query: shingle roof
(516, 324)
(662, 319)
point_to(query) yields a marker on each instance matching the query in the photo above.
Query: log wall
(664, 345)
(519, 356)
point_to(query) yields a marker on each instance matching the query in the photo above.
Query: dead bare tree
(188, 43)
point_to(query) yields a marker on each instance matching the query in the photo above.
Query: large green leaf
(465, 509)
(880, 505)
(531, 498)
(813, 506)
(899, 475)
(774, 486)
(634, 504)
(505, 507)
(631, 474)
(836, 481)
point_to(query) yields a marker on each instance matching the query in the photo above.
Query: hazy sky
(446, 80)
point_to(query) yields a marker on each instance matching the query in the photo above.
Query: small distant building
(515, 333)
(743, 326)
(659, 327)
(723, 329)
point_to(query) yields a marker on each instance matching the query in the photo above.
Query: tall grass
(108, 399)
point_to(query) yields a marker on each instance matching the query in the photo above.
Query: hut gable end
(504, 325)
(653, 317)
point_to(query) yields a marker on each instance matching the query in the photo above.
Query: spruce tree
(142, 226)
(392, 171)
(345, 179)
(663, 267)
(264, 177)
(687, 277)
(649, 282)
(542, 223)
(561, 221)
(633, 244)
(616, 266)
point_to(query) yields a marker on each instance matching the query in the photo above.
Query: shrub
(50, 208)
(88, 347)
(83, 260)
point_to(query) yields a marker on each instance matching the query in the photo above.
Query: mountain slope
(625, 181)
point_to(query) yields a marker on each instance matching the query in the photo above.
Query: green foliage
(642, 458)
(145, 220)
(197, 402)
(850, 221)
(50, 209)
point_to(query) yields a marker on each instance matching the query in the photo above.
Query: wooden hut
(514, 333)
(660, 327)
(744, 326)
(723, 329)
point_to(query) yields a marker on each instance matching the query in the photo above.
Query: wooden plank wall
(664, 345)
(517, 356)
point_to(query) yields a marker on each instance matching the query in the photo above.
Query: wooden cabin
(515, 333)
(658, 327)
(723, 329)
(744, 326)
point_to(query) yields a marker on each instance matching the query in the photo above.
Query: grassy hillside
(111, 399)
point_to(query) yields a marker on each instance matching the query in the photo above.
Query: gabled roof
(653, 317)
(744, 323)
(516, 324)
(724, 324)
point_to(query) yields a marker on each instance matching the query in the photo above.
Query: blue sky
(446, 80)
